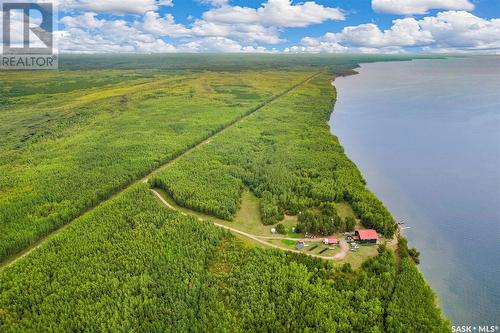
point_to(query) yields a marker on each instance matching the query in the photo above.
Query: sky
(287, 26)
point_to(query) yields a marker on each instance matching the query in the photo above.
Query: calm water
(426, 136)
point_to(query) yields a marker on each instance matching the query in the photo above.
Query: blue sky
(334, 26)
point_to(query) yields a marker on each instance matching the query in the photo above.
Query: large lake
(426, 136)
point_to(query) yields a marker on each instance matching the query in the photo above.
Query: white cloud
(248, 33)
(166, 26)
(211, 44)
(86, 20)
(404, 32)
(276, 13)
(245, 24)
(156, 46)
(450, 31)
(118, 7)
(218, 44)
(214, 2)
(461, 30)
(312, 45)
(106, 36)
(88, 33)
(263, 24)
(409, 7)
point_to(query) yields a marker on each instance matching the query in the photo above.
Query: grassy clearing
(249, 213)
(331, 250)
(250, 243)
(356, 259)
(312, 247)
(288, 242)
(345, 210)
(248, 219)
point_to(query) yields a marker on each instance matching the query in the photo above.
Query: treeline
(372, 211)
(134, 265)
(405, 252)
(325, 220)
(339, 63)
(285, 154)
(412, 307)
(273, 291)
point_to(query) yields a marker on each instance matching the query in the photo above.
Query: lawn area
(357, 258)
(248, 218)
(284, 243)
(248, 242)
(344, 210)
(288, 242)
(332, 250)
(310, 248)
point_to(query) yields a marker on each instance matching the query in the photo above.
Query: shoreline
(452, 257)
(400, 229)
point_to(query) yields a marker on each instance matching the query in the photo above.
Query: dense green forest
(129, 265)
(72, 139)
(340, 64)
(134, 265)
(324, 221)
(286, 155)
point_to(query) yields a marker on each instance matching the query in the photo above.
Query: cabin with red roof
(366, 236)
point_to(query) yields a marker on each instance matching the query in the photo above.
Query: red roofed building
(330, 241)
(366, 236)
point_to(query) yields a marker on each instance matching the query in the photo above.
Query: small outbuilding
(367, 236)
(331, 241)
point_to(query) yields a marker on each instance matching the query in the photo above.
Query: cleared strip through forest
(13, 258)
